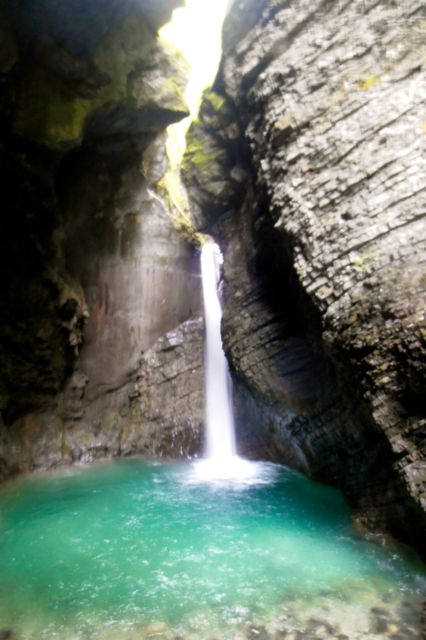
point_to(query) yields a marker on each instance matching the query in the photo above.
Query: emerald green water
(132, 549)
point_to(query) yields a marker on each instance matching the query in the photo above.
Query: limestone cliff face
(92, 270)
(307, 163)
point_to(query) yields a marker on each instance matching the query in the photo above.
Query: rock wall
(92, 269)
(140, 277)
(158, 412)
(307, 164)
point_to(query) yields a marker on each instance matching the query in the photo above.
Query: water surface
(132, 549)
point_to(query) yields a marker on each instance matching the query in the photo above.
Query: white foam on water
(232, 473)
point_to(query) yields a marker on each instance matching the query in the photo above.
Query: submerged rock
(380, 620)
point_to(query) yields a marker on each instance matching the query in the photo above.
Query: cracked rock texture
(316, 127)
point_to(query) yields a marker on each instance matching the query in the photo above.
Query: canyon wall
(307, 164)
(158, 412)
(93, 272)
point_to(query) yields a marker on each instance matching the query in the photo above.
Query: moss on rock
(197, 154)
(53, 114)
(49, 116)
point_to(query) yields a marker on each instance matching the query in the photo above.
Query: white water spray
(219, 413)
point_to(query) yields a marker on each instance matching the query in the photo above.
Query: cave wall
(307, 164)
(157, 412)
(140, 277)
(93, 270)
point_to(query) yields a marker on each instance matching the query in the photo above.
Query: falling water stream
(219, 413)
(214, 549)
(221, 461)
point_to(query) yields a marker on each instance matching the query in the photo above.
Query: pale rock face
(324, 243)
(140, 277)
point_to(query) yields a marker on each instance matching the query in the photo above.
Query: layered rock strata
(308, 165)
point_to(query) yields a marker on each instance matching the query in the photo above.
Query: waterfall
(218, 396)
(221, 463)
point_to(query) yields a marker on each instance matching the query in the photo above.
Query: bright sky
(196, 30)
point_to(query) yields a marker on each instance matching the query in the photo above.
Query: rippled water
(134, 550)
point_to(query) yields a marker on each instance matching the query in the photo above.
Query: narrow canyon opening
(139, 138)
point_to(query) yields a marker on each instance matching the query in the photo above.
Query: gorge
(219, 547)
(306, 165)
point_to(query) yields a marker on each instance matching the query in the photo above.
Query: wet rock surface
(157, 412)
(324, 244)
(141, 278)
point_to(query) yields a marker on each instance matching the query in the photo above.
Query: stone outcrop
(92, 270)
(75, 85)
(158, 412)
(312, 155)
